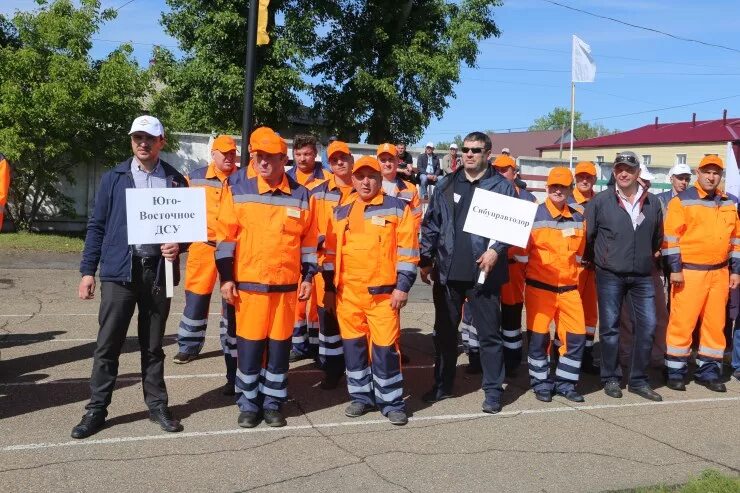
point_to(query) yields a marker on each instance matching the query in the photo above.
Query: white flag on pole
(584, 68)
(732, 174)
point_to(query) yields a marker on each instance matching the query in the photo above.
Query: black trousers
(486, 310)
(117, 303)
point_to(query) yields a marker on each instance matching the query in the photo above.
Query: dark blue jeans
(612, 289)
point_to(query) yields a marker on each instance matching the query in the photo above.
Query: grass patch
(709, 481)
(42, 242)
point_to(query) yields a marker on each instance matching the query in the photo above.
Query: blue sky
(637, 71)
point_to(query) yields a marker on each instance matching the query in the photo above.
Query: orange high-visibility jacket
(328, 196)
(4, 182)
(519, 254)
(408, 192)
(318, 176)
(391, 242)
(214, 182)
(266, 237)
(556, 245)
(701, 232)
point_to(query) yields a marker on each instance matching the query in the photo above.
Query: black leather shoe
(543, 396)
(163, 417)
(435, 395)
(676, 385)
(713, 385)
(357, 409)
(331, 381)
(274, 418)
(91, 423)
(248, 419)
(572, 396)
(228, 389)
(397, 418)
(611, 388)
(491, 407)
(182, 358)
(645, 392)
(296, 356)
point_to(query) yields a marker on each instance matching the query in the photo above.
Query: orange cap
(386, 148)
(223, 143)
(504, 161)
(366, 162)
(560, 176)
(712, 159)
(585, 167)
(337, 146)
(266, 140)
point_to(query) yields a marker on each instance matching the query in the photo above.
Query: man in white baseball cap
(429, 169)
(505, 151)
(680, 176)
(450, 161)
(147, 124)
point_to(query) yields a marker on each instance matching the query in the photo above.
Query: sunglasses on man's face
(474, 150)
(621, 158)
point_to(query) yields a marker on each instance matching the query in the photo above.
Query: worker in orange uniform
(266, 257)
(200, 270)
(331, 193)
(310, 174)
(554, 255)
(377, 251)
(585, 179)
(701, 238)
(394, 185)
(4, 186)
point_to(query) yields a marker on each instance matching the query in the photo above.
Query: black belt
(211, 243)
(705, 266)
(550, 287)
(148, 262)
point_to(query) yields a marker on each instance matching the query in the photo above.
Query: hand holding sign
(166, 216)
(499, 218)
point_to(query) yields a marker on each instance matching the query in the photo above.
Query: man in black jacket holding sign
(453, 259)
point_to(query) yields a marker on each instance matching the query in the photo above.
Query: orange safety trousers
(587, 290)
(566, 310)
(703, 296)
(264, 324)
(305, 338)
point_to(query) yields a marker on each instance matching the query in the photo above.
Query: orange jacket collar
(554, 212)
(264, 187)
(580, 198)
(214, 172)
(377, 200)
(703, 194)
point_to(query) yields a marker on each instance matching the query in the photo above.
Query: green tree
(378, 70)
(559, 118)
(60, 109)
(458, 139)
(204, 91)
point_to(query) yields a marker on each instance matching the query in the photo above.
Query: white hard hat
(430, 144)
(453, 146)
(147, 124)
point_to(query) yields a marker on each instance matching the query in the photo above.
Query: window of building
(599, 159)
(680, 158)
(647, 159)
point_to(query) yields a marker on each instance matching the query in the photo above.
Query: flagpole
(572, 121)
(249, 72)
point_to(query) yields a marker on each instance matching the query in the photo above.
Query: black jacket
(423, 160)
(438, 230)
(611, 241)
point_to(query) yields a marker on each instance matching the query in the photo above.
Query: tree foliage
(378, 70)
(60, 109)
(559, 118)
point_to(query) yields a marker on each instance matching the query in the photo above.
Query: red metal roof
(666, 133)
(524, 143)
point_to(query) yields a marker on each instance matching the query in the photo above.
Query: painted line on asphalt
(72, 381)
(346, 424)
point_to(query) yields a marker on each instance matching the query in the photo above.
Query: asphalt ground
(47, 337)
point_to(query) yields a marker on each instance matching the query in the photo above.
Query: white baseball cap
(430, 144)
(453, 146)
(645, 174)
(506, 149)
(147, 124)
(679, 169)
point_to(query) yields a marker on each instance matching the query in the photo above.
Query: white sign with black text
(500, 217)
(166, 215)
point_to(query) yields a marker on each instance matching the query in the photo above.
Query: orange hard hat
(560, 176)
